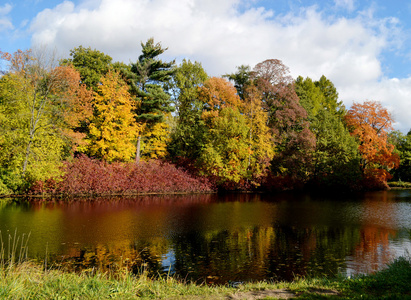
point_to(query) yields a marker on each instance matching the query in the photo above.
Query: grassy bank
(29, 281)
(399, 184)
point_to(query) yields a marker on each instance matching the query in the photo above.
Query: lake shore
(30, 281)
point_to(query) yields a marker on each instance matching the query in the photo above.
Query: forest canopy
(257, 128)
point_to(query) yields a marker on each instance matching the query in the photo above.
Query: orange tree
(370, 123)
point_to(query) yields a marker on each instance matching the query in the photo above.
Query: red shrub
(86, 176)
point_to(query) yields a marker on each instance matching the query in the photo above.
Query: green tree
(330, 93)
(112, 129)
(91, 64)
(148, 77)
(402, 145)
(335, 159)
(241, 79)
(188, 135)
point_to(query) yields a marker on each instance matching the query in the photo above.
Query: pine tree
(148, 76)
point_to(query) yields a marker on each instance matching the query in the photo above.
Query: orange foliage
(369, 123)
(75, 100)
(18, 60)
(374, 245)
(216, 94)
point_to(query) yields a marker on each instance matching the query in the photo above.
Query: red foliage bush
(86, 176)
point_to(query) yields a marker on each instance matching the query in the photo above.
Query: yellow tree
(238, 145)
(260, 139)
(224, 154)
(369, 123)
(112, 131)
(155, 146)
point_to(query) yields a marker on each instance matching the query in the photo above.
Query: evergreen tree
(242, 78)
(148, 77)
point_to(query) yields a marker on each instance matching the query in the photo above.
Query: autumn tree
(286, 117)
(73, 108)
(32, 95)
(147, 77)
(237, 146)
(112, 129)
(157, 140)
(370, 123)
(225, 153)
(260, 139)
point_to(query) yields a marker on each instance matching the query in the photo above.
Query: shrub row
(87, 176)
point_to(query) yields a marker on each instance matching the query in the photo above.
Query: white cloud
(222, 36)
(5, 22)
(346, 4)
(5, 9)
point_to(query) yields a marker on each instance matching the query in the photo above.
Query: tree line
(257, 128)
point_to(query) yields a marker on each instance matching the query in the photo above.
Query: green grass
(399, 184)
(391, 283)
(30, 281)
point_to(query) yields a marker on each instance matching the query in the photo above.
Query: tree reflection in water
(214, 238)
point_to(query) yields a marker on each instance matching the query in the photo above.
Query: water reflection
(216, 238)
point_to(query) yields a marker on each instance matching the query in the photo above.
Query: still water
(219, 238)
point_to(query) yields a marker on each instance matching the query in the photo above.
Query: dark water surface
(217, 238)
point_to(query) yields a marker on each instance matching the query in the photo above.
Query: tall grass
(14, 250)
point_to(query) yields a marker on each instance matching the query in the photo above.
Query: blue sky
(363, 47)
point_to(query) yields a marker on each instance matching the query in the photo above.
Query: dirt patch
(262, 294)
(277, 294)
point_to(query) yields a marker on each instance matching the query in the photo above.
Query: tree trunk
(26, 159)
(138, 150)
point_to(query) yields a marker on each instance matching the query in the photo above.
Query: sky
(362, 46)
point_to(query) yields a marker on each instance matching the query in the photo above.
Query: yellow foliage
(113, 129)
(156, 140)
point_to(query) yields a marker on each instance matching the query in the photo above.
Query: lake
(218, 238)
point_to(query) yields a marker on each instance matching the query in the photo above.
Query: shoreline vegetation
(85, 177)
(27, 280)
(86, 125)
